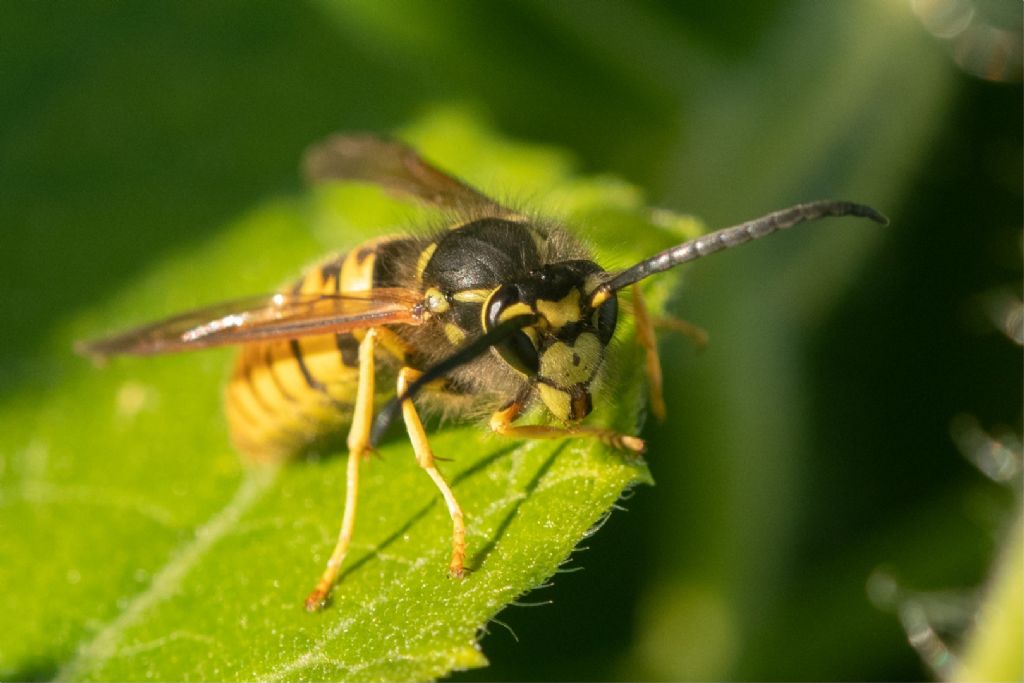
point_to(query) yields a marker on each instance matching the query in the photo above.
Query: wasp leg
(645, 326)
(501, 423)
(645, 336)
(358, 446)
(697, 335)
(425, 459)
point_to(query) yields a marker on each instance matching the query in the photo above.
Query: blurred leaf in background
(806, 447)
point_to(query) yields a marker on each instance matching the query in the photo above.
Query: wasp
(493, 314)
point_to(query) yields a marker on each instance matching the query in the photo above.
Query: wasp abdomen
(284, 395)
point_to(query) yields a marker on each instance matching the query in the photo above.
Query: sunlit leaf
(137, 545)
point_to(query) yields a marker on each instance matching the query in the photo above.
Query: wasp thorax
(563, 350)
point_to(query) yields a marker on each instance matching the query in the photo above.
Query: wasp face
(564, 350)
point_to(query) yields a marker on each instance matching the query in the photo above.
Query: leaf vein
(167, 580)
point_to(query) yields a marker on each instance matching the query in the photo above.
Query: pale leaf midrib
(104, 644)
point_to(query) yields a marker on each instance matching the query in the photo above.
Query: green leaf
(992, 650)
(136, 544)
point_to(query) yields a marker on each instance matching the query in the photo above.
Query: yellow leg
(697, 335)
(645, 335)
(358, 446)
(425, 459)
(645, 326)
(501, 423)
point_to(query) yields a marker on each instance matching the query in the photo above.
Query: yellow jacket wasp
(493, 314)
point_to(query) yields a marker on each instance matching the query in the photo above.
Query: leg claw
(316, 600)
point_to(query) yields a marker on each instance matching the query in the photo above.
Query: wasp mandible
(494, 314)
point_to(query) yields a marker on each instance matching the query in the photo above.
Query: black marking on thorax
(480, 256)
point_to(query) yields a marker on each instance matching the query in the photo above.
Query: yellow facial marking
(600, 297)
(560, 313)
(472, 296)
(556, 400)
(454, 333)
(532, 334)
(424, 259)
(566, 365)
(518, 308)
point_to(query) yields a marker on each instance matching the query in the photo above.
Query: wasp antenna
(93, 351)
(732, 237)
(464, 355)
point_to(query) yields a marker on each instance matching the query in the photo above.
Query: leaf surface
(136, 544)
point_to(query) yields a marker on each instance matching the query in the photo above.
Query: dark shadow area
(588, 609)
(130, 133)
(477, 558)
(38, 669)
(482, 464)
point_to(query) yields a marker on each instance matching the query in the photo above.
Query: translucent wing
(395, 167)
(278, 316)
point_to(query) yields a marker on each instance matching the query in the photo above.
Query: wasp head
(563, 350)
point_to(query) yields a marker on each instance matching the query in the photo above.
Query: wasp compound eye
(605, 318)
(519, 352)
(503, 304)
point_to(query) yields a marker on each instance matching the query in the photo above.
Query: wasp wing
(278, 316)
(395, 167)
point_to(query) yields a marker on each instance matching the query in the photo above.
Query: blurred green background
(807, 447)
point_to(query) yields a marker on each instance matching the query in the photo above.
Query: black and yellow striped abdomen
(285, 394)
